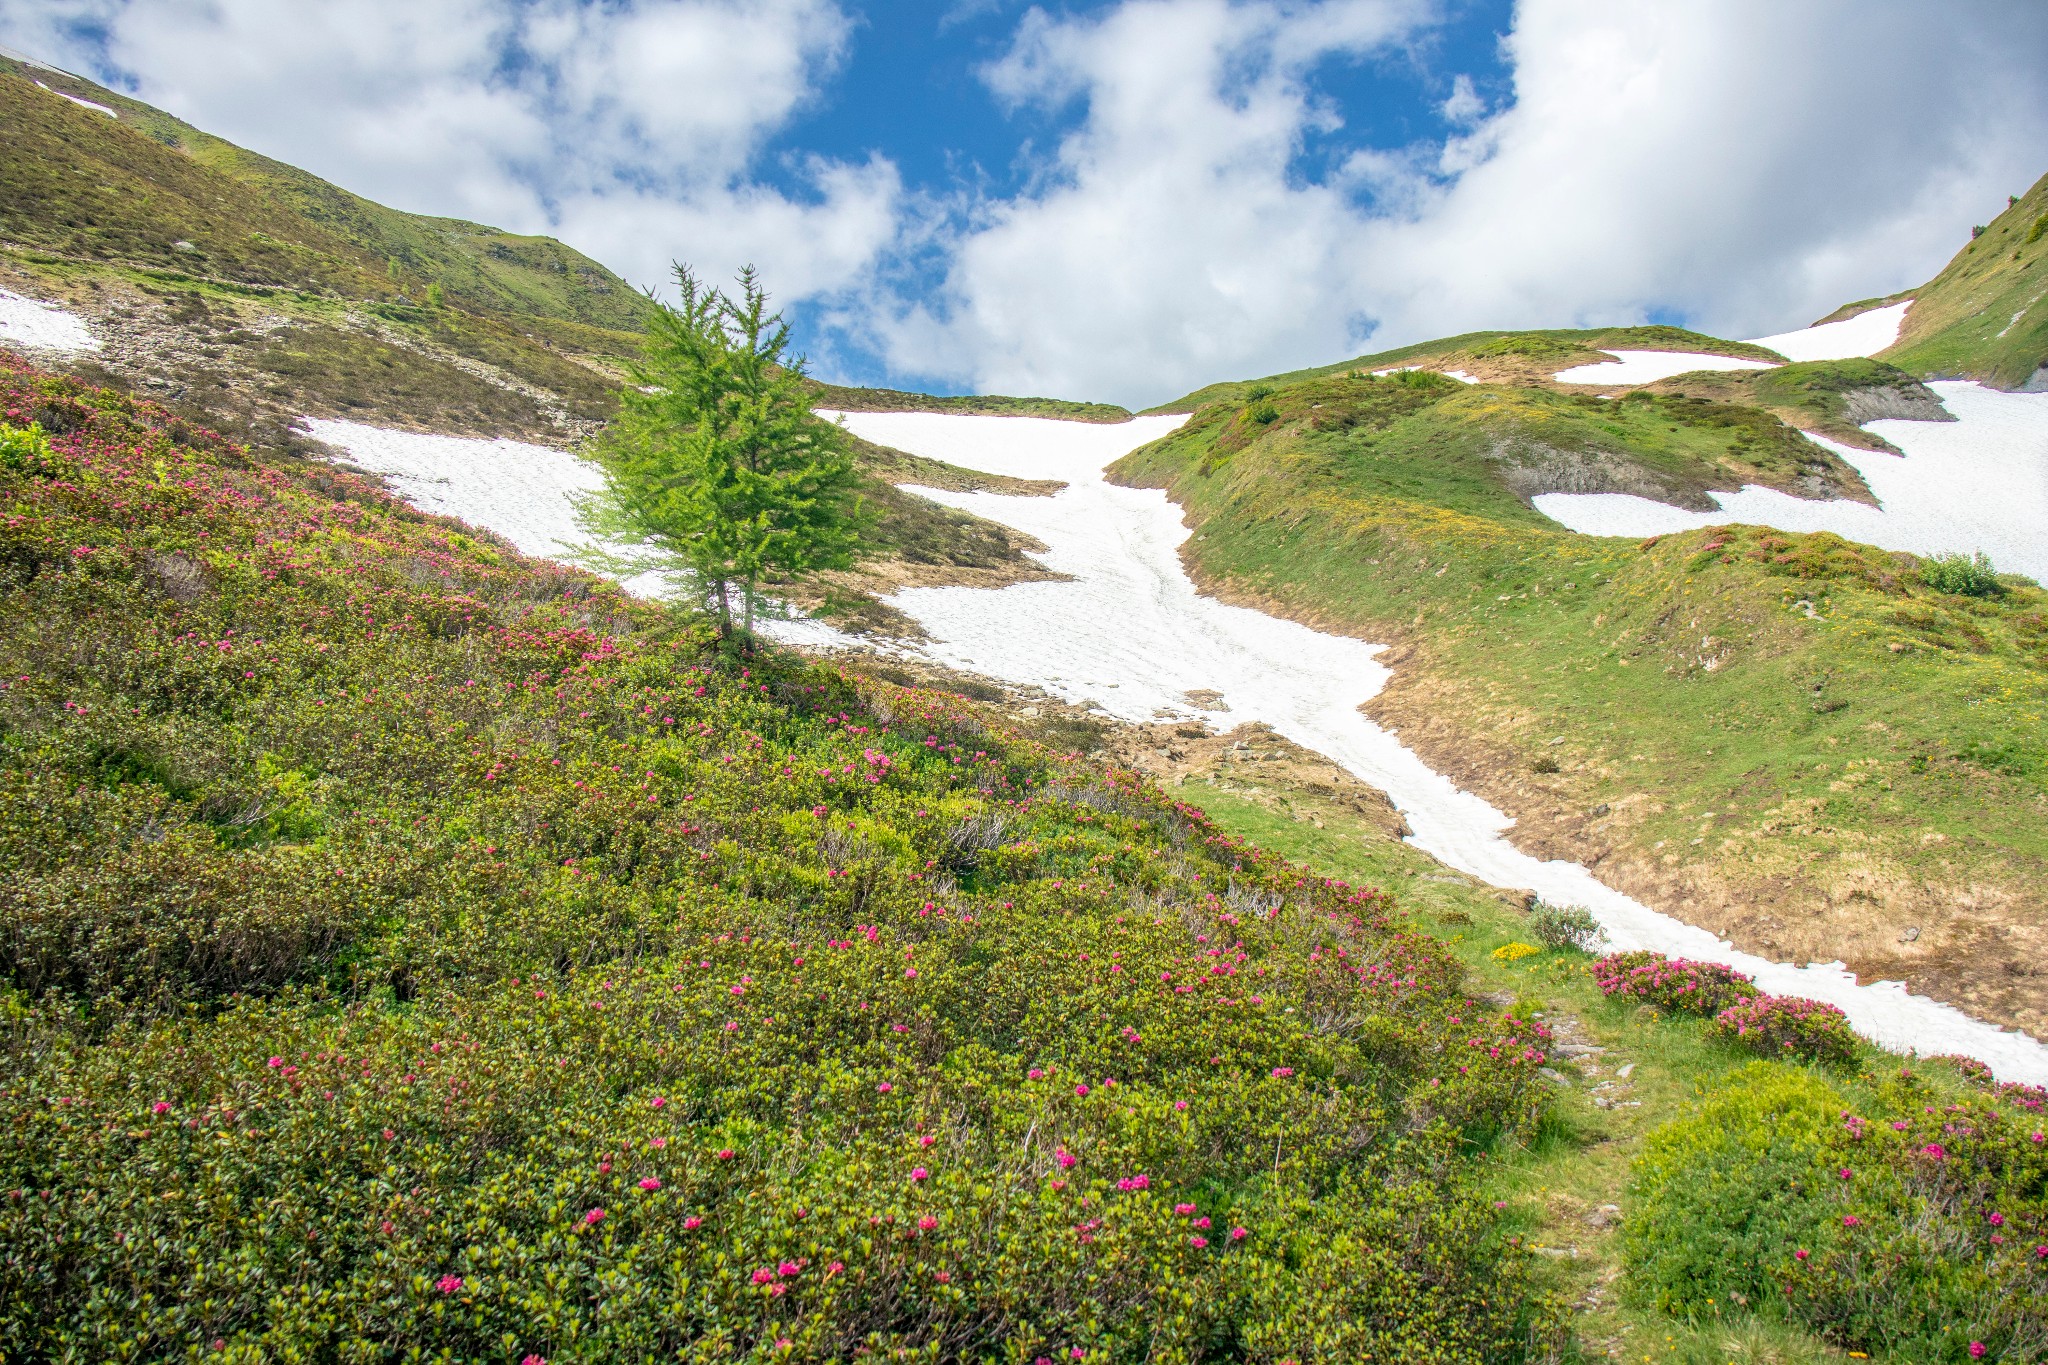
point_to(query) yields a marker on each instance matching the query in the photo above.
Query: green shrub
(1263, 412)
(1962, 575)
(1720, 1199)
(1565, 928)
(1787, 1026)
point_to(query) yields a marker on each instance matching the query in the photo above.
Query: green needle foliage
(716, 465)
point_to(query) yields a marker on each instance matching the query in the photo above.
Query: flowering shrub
(1787, 1026)
(1671, 983)
(1914, 1228)
(408, 949)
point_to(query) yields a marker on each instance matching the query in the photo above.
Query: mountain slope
(1985, 316)
(1789, 739)
(147, 189)
(415, 948)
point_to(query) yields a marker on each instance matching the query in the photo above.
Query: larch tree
(716, 464)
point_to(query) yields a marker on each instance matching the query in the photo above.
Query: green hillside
(1983, 317)
(146, 189)
(407, 947)
(1490, 355)
(1796, 741)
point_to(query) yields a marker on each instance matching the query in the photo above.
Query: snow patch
(1647, 367)
(1865, 334)
(88, 104)
(1979, 483)
(523, 492)
(42, 327)
(1130, 633)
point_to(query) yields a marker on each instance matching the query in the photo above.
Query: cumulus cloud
(1746, 165)
(628, 129)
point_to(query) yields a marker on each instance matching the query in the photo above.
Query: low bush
(1672, 983)
(1962, 575)
(1787, 1026)
(1915, 1228)
(1565, 928)
(1720, 1198)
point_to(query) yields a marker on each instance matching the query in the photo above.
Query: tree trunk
(724, 608)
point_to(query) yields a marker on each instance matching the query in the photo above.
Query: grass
(844, 398)
(1983, 317)
(1536, 352)
(1798, 738)
(1577, 1163)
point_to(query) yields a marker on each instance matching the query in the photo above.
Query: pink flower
(659, 1101)
(534, 1360)
(764, 1275)
(593, 1218)
(604, 1168)
(1850, 1220)
(1976, 1349)
(1282, 1072)
(835, 1267)
(944, 1277)
(1801, 1254)
(1998, 1220)
(1035, 1074)
(448, 1284)
(650, 1184)
(1239, 1234)
(1180, 1106)
(725, 1154)
(1183, 1209)
(920, 1173)
(160, 1107)
(820, 812)
(277, 1061)
(692, 1223)
(1934, 1151)
(1081, 1090)
(909, 973)
(885, 1087)
(927, 1223)
(1198, 1242)
(788, 1268)
(1065, 1158)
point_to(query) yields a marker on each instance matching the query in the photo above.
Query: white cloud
(1748, 164)
(627, 129)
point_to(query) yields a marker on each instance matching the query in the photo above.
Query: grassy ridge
(1793, 739)
(1984, 317)
(131, 189)
(1538, 352)
(410, 947)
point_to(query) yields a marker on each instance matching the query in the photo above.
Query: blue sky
(1126, 199)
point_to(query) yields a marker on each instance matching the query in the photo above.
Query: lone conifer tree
(716, 463)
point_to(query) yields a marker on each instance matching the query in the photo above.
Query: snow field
(1865, 334)
(1647, 367)
(1129, 632)
(37, 326)
(525, 493)
(1979, 483)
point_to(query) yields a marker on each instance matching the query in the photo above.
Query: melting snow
(523, 492)
(1979, 483)
(1647, 367)
(87, 104)
(42, 327)
(1865, 334)
(1129, 632)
